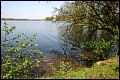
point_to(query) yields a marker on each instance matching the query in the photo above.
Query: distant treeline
(57, 18)
(13, 19)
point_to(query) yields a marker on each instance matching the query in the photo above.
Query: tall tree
(97, 15)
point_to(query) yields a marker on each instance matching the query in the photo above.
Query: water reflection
(55, 58)
(69, 40)
(71, 36)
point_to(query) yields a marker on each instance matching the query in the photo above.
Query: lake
(47, 33)
(58, 42)
(48, 41)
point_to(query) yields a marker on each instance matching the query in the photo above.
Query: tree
(97, 15)
(49, 18)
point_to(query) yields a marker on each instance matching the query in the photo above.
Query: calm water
(47, 33)
(57, 42)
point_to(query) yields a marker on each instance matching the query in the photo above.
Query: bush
(17, 59)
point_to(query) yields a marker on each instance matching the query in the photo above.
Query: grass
(108, 69)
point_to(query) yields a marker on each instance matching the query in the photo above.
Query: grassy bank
(108, 69)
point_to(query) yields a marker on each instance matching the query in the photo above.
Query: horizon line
(18, 18)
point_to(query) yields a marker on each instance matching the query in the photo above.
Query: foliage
(97, 15)
(49, 18)
(102, 48)
(65, 67)
(107, 70)
(16, 60)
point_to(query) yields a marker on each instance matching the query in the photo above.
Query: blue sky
(28, 9)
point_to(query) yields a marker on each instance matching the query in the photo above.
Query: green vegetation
(108, 69)
(65, 67)
(49, 18)
(96, 15)
(16, 60)
(102, 48)
(14, 19)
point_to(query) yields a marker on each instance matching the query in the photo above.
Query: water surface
(57, 42)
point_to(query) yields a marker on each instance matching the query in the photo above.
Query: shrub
(16, 59)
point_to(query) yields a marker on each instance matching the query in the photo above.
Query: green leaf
(36, 44)
(15, 50)
(23, 44)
